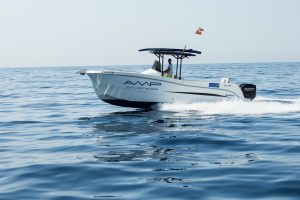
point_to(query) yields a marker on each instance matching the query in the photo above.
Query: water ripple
(58, 141)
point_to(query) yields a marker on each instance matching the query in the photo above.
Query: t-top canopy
(174, 52)
(179, 54)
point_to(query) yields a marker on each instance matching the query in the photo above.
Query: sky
(110, 32)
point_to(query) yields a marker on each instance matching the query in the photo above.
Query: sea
(58, 141)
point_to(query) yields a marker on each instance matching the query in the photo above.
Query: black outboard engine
(249, 90)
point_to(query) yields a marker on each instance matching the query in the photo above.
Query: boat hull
(144, 91)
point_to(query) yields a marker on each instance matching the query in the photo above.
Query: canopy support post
(162, 65)
(176, 67)
(180, 68)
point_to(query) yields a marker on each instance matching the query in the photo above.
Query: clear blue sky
(109, 32)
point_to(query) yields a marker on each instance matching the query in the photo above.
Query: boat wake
(261, 105)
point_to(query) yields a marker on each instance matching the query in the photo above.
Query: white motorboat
(152, 87)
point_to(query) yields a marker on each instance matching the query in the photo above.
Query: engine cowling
(249, 90)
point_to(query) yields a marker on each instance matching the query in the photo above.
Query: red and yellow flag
(199, 31)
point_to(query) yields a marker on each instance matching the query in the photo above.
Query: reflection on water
(128, 127)
(172, 137)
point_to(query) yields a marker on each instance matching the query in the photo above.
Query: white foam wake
(259, 106)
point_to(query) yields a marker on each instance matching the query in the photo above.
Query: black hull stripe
(131, 104)
(204, 94)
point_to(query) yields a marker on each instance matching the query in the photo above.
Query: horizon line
(114, 65)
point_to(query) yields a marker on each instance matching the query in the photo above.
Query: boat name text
(142, 84)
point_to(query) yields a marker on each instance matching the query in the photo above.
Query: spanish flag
(199, 31)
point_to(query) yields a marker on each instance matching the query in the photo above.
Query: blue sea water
(58, 141)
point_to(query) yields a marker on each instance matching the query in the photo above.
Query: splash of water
(259, 106)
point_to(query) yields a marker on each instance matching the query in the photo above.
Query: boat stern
(248, 90)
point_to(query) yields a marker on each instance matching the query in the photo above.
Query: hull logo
(142, 84)
(214, 85)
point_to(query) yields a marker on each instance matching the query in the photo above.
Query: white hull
(142, 90)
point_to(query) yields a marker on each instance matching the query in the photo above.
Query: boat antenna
(181, 62)
(184, 48)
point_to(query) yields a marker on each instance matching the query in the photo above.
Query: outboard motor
(249, 90)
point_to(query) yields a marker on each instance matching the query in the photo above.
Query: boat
(152, 87)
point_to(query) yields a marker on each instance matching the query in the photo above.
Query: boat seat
(156, 66)
(151, 72)
(224, 80)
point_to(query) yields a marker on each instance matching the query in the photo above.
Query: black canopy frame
(179, 54)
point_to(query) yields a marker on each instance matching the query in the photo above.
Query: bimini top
(173, 52)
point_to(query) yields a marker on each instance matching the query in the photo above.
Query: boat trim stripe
(196, 93)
